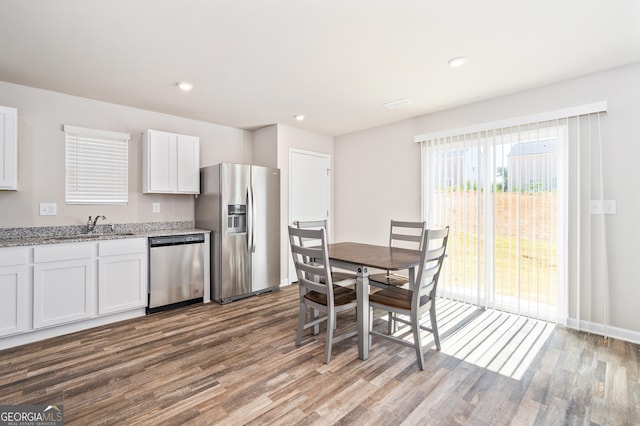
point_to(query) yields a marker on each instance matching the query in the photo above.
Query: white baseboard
(604, 330)
(46, 333)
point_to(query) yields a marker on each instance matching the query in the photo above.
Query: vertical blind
(97, 166)
(504, 189)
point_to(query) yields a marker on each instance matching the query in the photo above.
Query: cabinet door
(63, 292)
(162, 163)
(8, 148)
(188, 151)
(13, 300)
(122, 283)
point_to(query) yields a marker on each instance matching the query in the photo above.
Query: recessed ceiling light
(397, 104)
(299, 117)
(458, 61)
(185, 85)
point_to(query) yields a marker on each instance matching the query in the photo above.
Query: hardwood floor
(237, 364)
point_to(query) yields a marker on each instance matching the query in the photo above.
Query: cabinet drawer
(57, 252)
(118, 247)
(10, 257)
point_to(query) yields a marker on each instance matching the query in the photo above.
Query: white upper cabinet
(170, 163)
(188, 164)
(8, 148)
(159, 162)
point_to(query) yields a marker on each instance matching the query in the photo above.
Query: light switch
(156, 207)
(603, 207)
(597, 207)
(609, 206)
(48, 209)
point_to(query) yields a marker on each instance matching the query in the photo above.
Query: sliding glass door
(500, 192)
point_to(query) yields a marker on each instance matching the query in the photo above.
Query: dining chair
(402, 234)
(419, 298)
(317, 291)
(405, 235)
(341, 278)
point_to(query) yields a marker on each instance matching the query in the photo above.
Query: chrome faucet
(92, 225)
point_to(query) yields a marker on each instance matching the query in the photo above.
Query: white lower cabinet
(122, 275)
(14, 273)
(49, 290)
(64, 284)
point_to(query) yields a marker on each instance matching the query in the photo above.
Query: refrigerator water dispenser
(236, 218)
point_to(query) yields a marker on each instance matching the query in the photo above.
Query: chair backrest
(433, 254)
(312, 263)
(406, 234)
(312, 224)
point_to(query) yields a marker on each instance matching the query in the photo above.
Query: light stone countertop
(18, 237)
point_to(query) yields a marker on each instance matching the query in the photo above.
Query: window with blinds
(97, 166)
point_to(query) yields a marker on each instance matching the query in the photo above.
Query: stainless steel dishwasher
(176, 271)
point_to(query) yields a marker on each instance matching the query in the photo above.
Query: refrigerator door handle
(253, 222)
(249, 218)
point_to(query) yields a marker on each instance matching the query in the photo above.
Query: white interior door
(309, 189)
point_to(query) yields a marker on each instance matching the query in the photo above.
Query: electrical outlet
(156, 207)
(48, 209)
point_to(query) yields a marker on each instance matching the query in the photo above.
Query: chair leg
(415, 325)
(331, 317)
(301, 318)
(393, 322)
(434, 324)
(390, 323)
(316, 328)
(370, 326)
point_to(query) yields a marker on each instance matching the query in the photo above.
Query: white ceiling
(259, 62)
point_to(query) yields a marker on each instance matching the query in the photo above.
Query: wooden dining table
(359, 257)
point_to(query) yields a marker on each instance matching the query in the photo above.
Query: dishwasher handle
(173, 240)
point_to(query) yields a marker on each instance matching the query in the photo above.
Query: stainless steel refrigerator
(241, 205)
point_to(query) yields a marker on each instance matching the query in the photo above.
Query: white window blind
(97, 166)
(512, 194)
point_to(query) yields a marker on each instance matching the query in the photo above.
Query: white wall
(378, 176)
(265, 146)
(41, 115)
